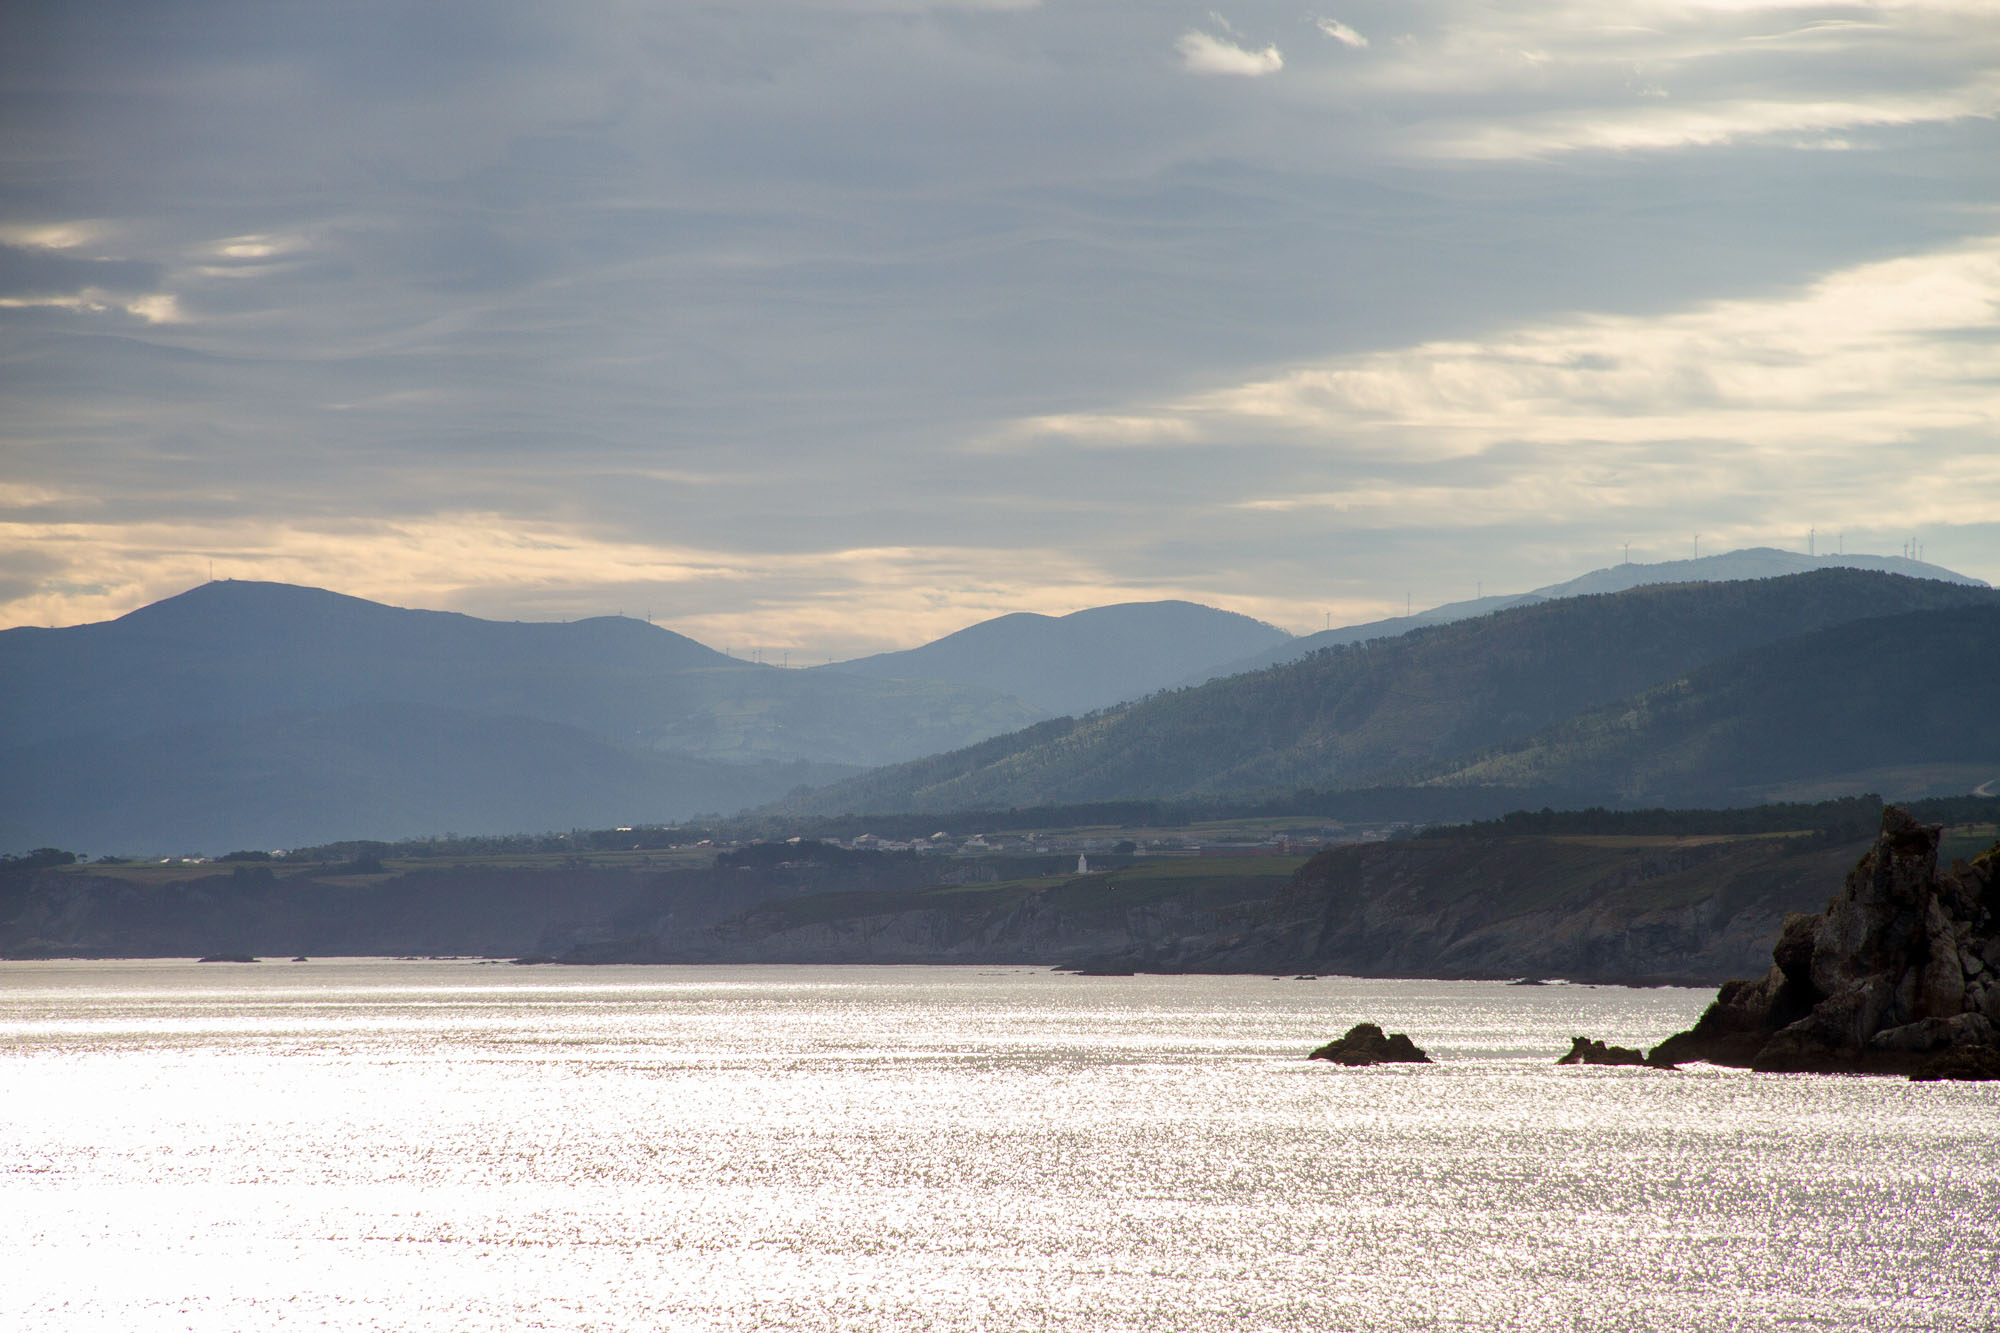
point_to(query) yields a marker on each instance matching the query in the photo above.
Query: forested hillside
(1915, 693)
(1385, 710)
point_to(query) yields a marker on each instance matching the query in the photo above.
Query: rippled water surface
(450, 1145)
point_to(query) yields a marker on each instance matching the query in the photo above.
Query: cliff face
(1624, 910)
(1075, 922)
(490, 911)
(254, 911)
(1684, 911)
(1903, 966)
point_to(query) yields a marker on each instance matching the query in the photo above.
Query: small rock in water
(1584, 1051)
(227, 958)
(1366, 1044)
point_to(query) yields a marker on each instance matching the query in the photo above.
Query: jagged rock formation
(1584, 1051)
(1366, 1044)
(1900, 972)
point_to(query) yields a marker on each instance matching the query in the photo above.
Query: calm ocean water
(451, 1145)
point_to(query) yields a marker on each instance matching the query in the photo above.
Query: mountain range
(246, 714)
(1757, 562)
(1429, 704)
(257, 714)
(1082, 661)
(1903, 704)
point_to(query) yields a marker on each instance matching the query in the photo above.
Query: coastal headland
(1612, 899)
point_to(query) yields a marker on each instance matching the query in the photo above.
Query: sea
(459, 1144)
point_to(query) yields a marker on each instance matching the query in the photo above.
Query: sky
(823, 327)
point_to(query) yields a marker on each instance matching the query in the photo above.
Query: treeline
(1956, 809)
(1847, 819)
(1372, 805)
(1432, 812)
(456, 847)
(1361, 805)
(1853, 816)
(42, 858)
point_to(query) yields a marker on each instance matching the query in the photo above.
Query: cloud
(689, 288)
(1873, 390)
(48, 276)
(1867, 356)
(843, 601)
(1340, 32)
(1206, 54)
(1525, 82)
(28, 272)
(1804, 123)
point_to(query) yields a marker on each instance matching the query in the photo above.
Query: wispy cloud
(1866, 356)
(1340, 32)
(1875, 389)
(1802, 122)
(1530, 82)
(1869, 355)
(1204, 53)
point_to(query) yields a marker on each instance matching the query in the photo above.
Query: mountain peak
(252, 607)
(247, 596)
(1754, 562)
(1081, 661)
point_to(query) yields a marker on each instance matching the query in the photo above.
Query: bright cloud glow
(156, 308)
(1872, 354)
(1656, 127)
(1525, 82)
(866, 599)
(1863, 357)
(51, 236)
(1205, 54)
(1836, 389)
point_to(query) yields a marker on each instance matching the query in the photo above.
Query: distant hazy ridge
(1761, 562)
(244, 714)
(1086, 660)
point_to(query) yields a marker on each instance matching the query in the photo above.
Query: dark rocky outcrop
(1366, 1044)
(1584, 1051)
(1900, 974)
(1963, 1064)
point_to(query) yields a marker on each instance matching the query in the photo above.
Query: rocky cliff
(1072, 921)
(1900, 970)
(138, 912)
(1687, 911)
